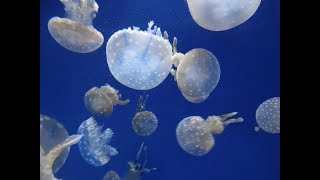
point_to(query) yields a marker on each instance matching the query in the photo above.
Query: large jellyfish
(268, 115)
(194, 134)
(138, 59)
(197, 73)
(100, 101)
(53, 133)
(94, 145)
(75, 32)
(111, 175)
(47, 159)
(220, 15)
(144, 122)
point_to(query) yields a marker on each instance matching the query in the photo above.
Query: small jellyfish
(53, 133)
(194, 134)
(100, 101)
(47, 159)
(144, 122)
(138, 59)
(220, 15)
(111, 175)
(94, 146)
(75, 32)
(268, 115)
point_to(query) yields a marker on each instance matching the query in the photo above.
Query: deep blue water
(249, 57)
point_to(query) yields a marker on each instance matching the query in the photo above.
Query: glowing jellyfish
(144, 122)
(75, 32)
(51, 134)
(268, 115)
(111, 175)
(100, 101)
(194, 134)
(197, 74)
(47, 159)
(220, 15)
(138, 59)
(94, 145)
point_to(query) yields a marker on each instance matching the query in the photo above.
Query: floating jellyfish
(268, 115)
(194, 134)
(94, 145)
(138, 59)
(100, 101)
(220, 15)
(111, 175)
(197, 74)
(75, 32)
(47, 159)
(53, 133)
(144, 122)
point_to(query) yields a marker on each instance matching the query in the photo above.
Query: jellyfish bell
(221, 15)
(268, 115)
(75, 32)
(111, 175)
(139, 59)
(145, 123)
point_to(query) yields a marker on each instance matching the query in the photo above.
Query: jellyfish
(268, 115)
(144, 122)
(221, 15)
(111, 175)
(94, 146)
(194, 134)
(138, 59)
(197, 73)
(53, 133)
(47, 159)
(75, 32)
(100, 101)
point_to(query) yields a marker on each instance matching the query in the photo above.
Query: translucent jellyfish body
(268, 115)
(53, 133)
(220, 15)
(194, 134)
(75, 32)
(100, 101)
(111, 175)
(139, 59)
(94, 145)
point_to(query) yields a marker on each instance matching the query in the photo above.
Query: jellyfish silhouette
(100, 101)
(138, 59)
(75, 32)
(268, 115)
(220, 15)
(111, 175)
(194, 134)
(94, 145)
(53, 133)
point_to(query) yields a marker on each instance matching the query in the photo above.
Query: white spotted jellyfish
(220, 15)
(100, 101)
(268, 116)
(194, 134)
(75, 32)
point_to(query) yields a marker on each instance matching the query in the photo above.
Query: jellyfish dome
(111, 175)
(100, 101)
(144, 123)
(220, 15)
(194, 134)
(138, 59)
(53, 133)
(75, 32)
(94, 146)
(268, 115)
(198, 73)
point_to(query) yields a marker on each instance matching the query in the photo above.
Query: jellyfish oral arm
(120, 102)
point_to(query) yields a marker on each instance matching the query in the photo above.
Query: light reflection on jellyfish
(94, 146)
(75, 32)
(100, 101)
(268, 116)
(194, 134)
(220, 15)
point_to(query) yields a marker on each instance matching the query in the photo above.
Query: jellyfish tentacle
(165, 35)
(226, 116)
(139, 152)
(236, 120)
(121, 102)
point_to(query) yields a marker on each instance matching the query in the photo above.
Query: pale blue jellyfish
(75, 32)
(139, 59)
(268, 115)
(94, 145)
(111, 175)
(194, 134)
(220, 15)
